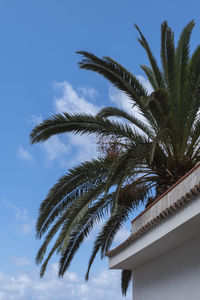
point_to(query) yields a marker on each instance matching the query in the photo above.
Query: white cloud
(72, 149)
(24, 154)
(85, 148)
(122, 100)
(23, 222)
(55, 148)
(88, 92)
(71, 102)
(145, 83)
(104, 285)
(20, 261)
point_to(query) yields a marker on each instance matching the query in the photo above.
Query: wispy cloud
(84, 148)
(55, 148)
(88, 92)
(23, 222)
(20, 261)
(104, 285)
(72, 102)
(35, 119)
(122, 100)
(24, 155)
(145, 82)
(72, 149)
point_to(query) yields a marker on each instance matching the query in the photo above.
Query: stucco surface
(175, 230)
(173, 276)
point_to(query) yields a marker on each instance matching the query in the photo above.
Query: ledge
(175, 198)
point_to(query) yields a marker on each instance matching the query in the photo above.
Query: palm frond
(125, 280)
(110, 111)
(78, 181)
(182, 80)
(194, 67)
(114, 223)
(164, 28)
(68, 221)
(150, 75)
(170, 74)
(79, 123)
(115, 73)
(107, 234)
(182, 59)
(95, 213)
(155, 68)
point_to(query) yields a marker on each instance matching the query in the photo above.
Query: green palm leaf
(115, 73)
(81, 124)
(125, 281)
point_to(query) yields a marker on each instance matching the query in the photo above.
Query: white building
(163, 250)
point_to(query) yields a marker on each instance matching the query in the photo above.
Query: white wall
(173, 276)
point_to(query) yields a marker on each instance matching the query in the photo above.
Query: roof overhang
(183, 226)
(171, 221)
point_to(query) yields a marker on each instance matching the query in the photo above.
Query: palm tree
(143, 156)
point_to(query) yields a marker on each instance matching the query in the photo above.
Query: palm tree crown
(149, 154)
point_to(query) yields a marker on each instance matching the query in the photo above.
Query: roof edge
(167, 191)
(167, 212)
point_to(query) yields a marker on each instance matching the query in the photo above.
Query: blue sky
(39, 76)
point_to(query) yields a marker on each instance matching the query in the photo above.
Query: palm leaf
(119, 113)
(150, 75)
(115, 73)
(95, 213)
(68, 189)
(80, 123)
(125, 281)
(155, 68)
